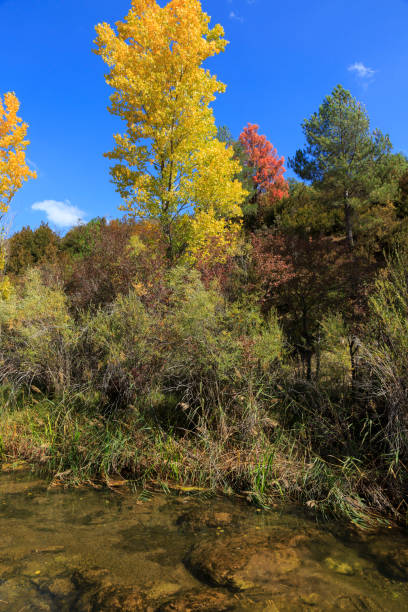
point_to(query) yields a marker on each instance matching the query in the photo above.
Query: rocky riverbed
(91, 551)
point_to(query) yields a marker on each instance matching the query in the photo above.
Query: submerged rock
(99, 594)
(394, 564)
(356, 603)
(19, 594)
(112, 599)
(292, 602)
(390, 555)
(242, 563)
(198, 519)
(205, 601)
(61, 588)
(4, 569)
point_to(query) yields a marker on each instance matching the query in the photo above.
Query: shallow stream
(90, 551)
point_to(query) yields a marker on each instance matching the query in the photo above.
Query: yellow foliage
(212, 238)
(169, 162)
(2, 252)
(136, 245)
(13, 167)
(5, 288)
(36, 307)
(14, 170)
(213, 187)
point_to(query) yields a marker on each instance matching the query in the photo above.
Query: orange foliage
(268, 167)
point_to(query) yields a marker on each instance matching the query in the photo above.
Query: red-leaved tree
(268, 169)
(304, 278)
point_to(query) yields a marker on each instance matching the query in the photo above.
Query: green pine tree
(343, 156)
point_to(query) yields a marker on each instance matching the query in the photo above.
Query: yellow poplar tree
(14, 170)
(169, 164)
(212, 238)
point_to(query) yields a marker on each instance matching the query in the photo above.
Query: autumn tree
(342, 155)
(28, 248)
(245, 175)
(304, 277)
(121, 255)
(14, 170)
(169, 165)
(13, 167)
(267, 169)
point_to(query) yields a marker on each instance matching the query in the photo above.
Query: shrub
(118, 349)
(385, 355)
(38, 336)
(183, 356)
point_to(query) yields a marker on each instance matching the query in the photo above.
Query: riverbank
(72, 449)
(181, 385)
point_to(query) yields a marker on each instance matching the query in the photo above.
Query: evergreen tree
(343, 155)
(27, 248)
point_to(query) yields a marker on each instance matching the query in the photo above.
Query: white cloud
(233, 15)
(62, 214)
(362, 71)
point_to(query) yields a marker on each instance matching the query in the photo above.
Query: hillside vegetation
(236, 330)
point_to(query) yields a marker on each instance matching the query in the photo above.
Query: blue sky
(283, 58)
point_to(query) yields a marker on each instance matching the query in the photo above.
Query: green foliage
(117, 350)
(340, 149)
(28, 248)
(80, 241)
(389, 306)
(342, 156)
(305, 211)
(37, 334)
(334, 351)
(200, 339)
(217, 347)
(402, 199)
(269, 343)
(192, 348)
(386, 354)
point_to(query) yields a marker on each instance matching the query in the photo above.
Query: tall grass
(185, 389)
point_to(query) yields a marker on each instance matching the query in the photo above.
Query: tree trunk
(348, 213)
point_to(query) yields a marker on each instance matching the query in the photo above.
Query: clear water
(184, 553)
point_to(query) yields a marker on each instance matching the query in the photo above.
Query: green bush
(118, 350)
(190, 353)
(385, 356)
(38, 336)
